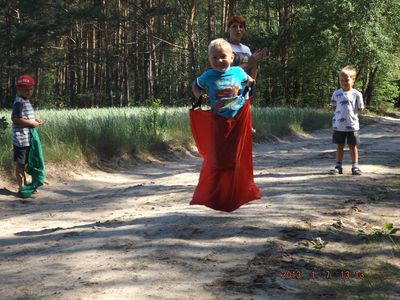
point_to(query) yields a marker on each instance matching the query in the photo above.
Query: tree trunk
(70, 78)
(285, 12)
(191, 43)
(369, 91)
(211, 20)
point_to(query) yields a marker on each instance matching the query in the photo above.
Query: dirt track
(131, 234)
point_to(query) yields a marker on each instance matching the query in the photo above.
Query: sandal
(336, 170)
(355, 171)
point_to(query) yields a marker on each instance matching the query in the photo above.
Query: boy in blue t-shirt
(224, 84)
(223, 135)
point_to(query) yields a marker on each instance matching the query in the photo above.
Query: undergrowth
(73, 135)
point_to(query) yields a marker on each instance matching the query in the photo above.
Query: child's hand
(249, 87)
(199, 101)
(250, 80)
(39, 122)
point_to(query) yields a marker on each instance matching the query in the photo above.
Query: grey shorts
(21, 154)
(340, 137)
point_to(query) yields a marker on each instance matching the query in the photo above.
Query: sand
(130, 233)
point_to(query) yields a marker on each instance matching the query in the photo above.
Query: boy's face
(220, 58)
(25, 91)
(236, 32)
(346, 82)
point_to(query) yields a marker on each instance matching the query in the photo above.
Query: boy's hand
(36, 123)
(250, 81)
(39, 122)
(248, 90)
(198, 102)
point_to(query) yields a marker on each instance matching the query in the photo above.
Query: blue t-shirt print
(226, 94)
(224, 90)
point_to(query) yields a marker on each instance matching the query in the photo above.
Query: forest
(119, 53)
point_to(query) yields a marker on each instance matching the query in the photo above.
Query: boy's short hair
(350, 71)
(218, 43)
(237, 19)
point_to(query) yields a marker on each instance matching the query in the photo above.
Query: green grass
(280, 121)
(73, 135)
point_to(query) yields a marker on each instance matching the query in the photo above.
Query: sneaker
(336, 170)
(356, 171)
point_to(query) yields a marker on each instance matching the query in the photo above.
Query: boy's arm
(27, 122)
(199, 95)
(247, 85)
(247, 80)
(360, 104)
(16, 117)
(197, 92)
(250, 80)
(333, 103)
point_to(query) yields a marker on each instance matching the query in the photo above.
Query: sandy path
(132, 235)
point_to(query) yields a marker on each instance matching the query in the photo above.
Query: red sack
(226, 178)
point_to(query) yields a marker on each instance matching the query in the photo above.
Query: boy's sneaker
(356, 171)
(336, 170)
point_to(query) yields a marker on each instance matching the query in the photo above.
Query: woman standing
(243, 55)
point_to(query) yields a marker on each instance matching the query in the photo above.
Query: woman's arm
(254, 59)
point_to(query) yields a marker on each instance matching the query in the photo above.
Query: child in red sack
(223, 134)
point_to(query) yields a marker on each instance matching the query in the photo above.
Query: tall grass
(274, 122)
(72, 135)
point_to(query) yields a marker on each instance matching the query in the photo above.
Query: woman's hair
(350, 71)
(218, 43)
(237, 19)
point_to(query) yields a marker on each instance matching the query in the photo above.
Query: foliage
(318, 243)
(72, 135)
(3, 125)
(120, 53)
(387, 231)
(280, 121)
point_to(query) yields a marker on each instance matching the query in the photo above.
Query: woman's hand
(260, 54)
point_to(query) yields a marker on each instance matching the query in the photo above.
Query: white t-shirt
(346, 114)
(22, 108)
(242, 54)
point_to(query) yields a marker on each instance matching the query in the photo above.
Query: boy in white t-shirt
(346, 102)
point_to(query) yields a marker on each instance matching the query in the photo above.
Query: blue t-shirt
(224, 90)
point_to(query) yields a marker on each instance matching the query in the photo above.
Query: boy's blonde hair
(218, 43)
(350, 71)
